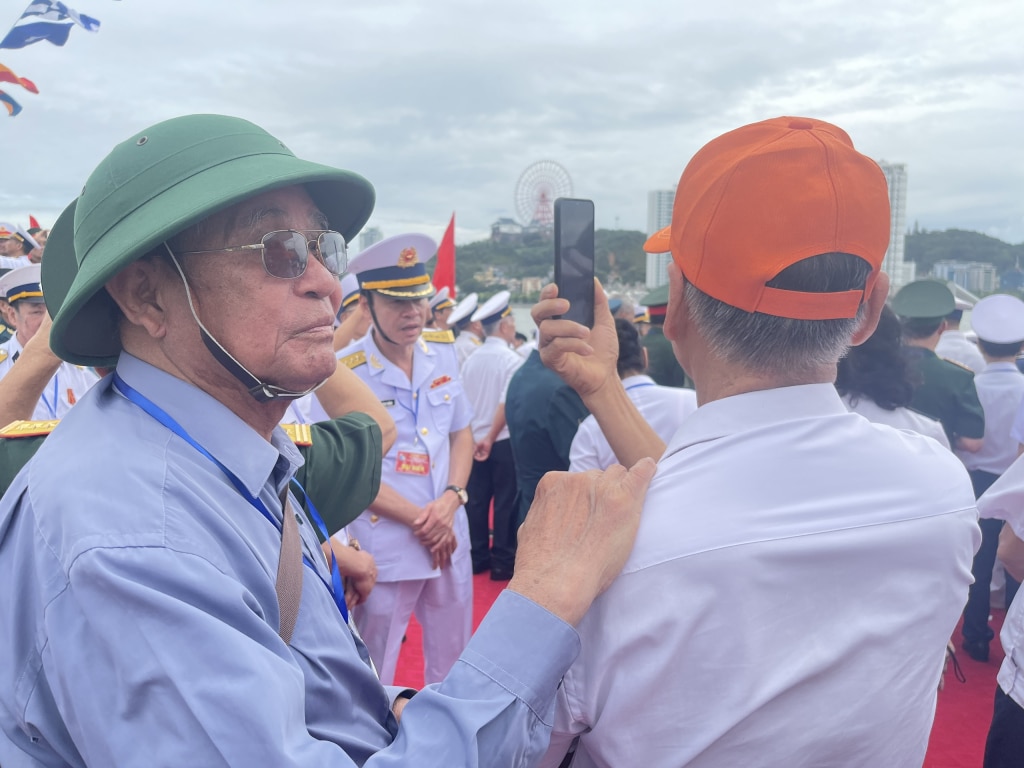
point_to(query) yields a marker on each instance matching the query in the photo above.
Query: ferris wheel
(538, 187)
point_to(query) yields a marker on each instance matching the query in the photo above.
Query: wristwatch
(460, 492)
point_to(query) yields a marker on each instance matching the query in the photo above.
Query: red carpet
(961, 719)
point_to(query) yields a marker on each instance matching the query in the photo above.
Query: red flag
(8, 76)
(444, 271)
(33, 223)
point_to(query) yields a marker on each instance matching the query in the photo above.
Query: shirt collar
(1000, 366)
(636, 381)
(215, 426)
(756, 410)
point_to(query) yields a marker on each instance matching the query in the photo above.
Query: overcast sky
(443, 103)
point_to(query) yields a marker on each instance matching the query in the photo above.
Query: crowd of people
(737, 524)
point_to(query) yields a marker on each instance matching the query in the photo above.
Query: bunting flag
(33, 223)
(13, 107)
(55, 11)
(51, 11)
(444, 271)
(26, 34)
(8, 76)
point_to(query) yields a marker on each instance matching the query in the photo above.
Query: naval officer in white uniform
(24, 293)
(416, 529)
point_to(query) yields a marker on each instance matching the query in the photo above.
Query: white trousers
(444, 608)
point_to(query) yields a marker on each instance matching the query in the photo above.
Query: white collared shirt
(898, 418)
(1004, 500)
(797, 574)
(1001, 390)
(664, 408)
(955, 346)
(485, 376)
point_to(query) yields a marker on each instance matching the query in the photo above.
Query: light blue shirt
(138, 619)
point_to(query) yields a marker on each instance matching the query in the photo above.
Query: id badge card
(412, 460)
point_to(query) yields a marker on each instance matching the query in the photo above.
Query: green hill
(925, 248)
(620, 256)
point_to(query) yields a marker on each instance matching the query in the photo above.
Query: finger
(641, 473)
(545, 309)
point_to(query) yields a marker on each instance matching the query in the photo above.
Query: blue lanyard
(415, 398)
(52, 408)
(147, 405)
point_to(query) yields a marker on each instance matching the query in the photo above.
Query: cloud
(443, 105)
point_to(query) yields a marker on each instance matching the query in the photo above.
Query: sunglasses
(286, 252)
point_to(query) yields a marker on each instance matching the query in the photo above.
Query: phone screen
(574, 257)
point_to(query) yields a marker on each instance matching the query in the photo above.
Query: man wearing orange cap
(798, 570)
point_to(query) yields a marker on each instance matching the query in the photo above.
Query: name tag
(412, 463)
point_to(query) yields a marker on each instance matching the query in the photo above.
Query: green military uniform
(662, 365)
(946, 391)
(341, 473)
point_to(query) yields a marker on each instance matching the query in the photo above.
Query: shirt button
(415, 395)
(446, 397)
(424, 431)
(374, 518)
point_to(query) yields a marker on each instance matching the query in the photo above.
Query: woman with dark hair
(875, 381)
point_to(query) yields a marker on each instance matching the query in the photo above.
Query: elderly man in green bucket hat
(163, 601)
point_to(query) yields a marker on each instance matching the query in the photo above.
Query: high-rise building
(369, 236)
(900, 272)
(659, 216)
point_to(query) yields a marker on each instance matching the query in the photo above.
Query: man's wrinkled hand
(577, 536)
(585, 358)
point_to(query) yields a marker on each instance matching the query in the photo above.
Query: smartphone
(574, 257)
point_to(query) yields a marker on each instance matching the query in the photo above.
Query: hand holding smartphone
(574, 257)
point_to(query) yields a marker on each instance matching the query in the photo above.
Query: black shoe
(500, 574)
(976, 649)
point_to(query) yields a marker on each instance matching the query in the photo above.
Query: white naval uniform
(664, 408)
(426, 412)
(796, 576)
(466, 343)
(955, 346)
(62, 391)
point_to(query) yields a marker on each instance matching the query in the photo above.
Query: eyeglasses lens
(284, 254)
(333, 252)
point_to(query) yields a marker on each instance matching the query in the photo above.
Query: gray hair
(780, 345)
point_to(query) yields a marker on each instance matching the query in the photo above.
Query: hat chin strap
(261, 390)
(376, 323)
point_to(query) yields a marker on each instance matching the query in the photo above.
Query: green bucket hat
(153, 186)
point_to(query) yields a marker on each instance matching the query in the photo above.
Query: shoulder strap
(289, 571)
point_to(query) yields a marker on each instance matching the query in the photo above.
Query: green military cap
(153, 186)
(923, 300)
(656, 298)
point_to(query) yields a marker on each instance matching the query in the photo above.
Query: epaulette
(3, 355)
(28, 428)
(442, 337)
(300, 434)
(958, 364)
(354, 360)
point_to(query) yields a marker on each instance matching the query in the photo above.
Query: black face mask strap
(373, 316)
(260, 390)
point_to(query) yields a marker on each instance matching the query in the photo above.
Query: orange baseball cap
(761, 198)
(660, 241)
